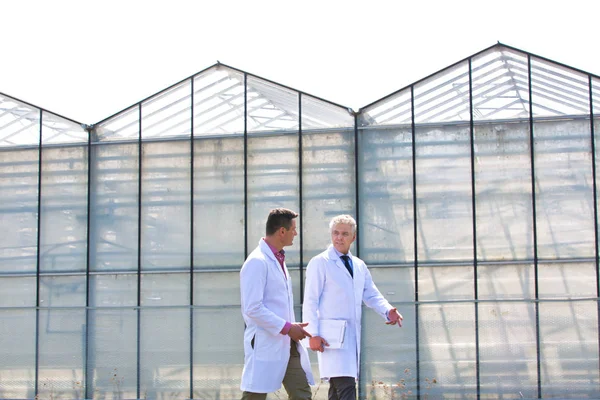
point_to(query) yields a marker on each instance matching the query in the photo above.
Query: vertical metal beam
(413, 129)
(474, 217)
(300, 208)
(356, 184)
(139, 250)
(245, 165)
(87, 383)
(535, 249)
(595, 189)
(192, 238)
(38, 262)
(357, 210)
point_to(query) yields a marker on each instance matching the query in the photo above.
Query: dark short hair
(278, 218)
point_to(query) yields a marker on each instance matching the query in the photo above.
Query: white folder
(333, 331)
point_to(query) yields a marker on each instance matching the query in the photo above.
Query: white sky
(87, 60)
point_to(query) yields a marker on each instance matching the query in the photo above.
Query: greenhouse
(475, 192)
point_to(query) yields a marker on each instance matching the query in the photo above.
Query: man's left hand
(394, 317)
(316, 343)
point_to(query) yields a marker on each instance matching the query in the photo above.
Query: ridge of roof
(496, 45)
(219, 64)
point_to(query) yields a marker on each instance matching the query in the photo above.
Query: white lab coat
(267, 303)
(331, 293)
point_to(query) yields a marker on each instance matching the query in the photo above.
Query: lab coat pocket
(266, 346)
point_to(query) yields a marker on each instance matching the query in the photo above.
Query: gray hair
(343, 219)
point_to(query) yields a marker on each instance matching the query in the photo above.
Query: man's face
(342, 237)
(288, 234)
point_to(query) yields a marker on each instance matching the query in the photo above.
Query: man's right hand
(297, 331)
(316, 343)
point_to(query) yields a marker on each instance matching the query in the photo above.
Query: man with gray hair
(337, 283)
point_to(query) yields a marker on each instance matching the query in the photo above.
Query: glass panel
(114, 207)
(17, 291)
(17, 346)
(503, 192)
(165, 289)
(500, 85)
(218, 102)
(272, 182)
(596, 96)
(496, 282)
(440, 283)
(444, 204)
(397, 285)
(57, 130)
(596, 111)
(393, 110)
(168, 113)
(218, 367)
(295, 277)
(165, 353)
(444, 97)
(558, 90)
(507, 350)
(328, 185)
(571, 280)
(19, 123)
(569, 349)
(61, 354)
(271, 107)
(62, 291)
(564, 193)
(219, 202)
(112, 362)
(297, 308)
(217, 289)
(388, 357)
(18, 209)
(63, 233)
(386, 195)
(115, 290)
(447, 349)
(317, 114)
(166, 208)
(123, 126)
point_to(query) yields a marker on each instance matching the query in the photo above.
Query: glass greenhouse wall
(475, 191)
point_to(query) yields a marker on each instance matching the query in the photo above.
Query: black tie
(347, 264)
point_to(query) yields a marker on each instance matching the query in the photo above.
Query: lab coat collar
(334, 254)
(264, 247)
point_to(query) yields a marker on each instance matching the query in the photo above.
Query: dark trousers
(295, 382)
(342, 388)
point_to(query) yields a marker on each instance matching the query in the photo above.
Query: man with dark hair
(280, 217)
(273, 353)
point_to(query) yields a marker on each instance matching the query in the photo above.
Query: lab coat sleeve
(373, 298)
(313, 288)
(253, 279)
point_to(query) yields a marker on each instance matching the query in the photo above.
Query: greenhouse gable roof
(494, 83)
(500, 82)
